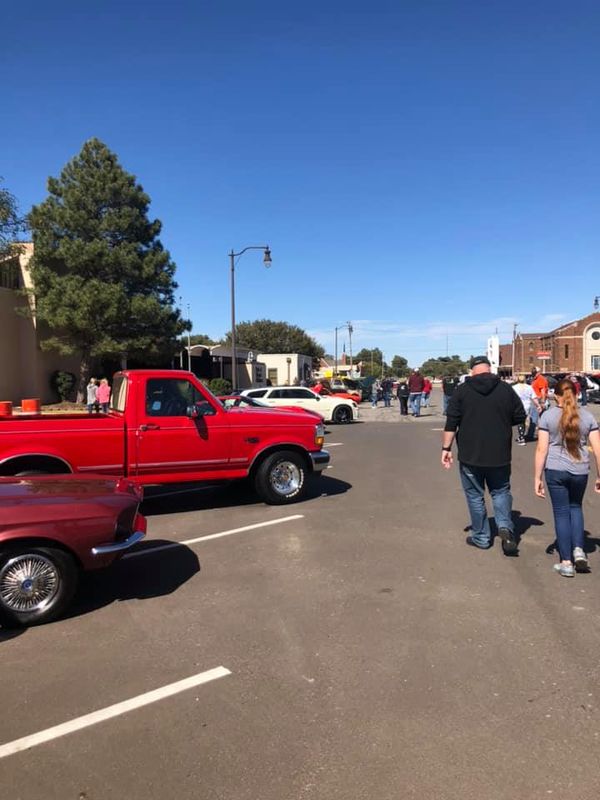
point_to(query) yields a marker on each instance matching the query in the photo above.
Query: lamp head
(267, 260)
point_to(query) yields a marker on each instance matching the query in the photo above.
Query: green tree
(200, 338)
(267, 336)
(102, 280)
(400, 366)
(367, 355)
(10, 223)
(444, 365)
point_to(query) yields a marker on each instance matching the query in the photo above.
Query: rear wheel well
(44, 464)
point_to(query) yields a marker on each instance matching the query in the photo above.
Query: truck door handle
(151, 426)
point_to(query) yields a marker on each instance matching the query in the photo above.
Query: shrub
(63, 384)
(219, 386)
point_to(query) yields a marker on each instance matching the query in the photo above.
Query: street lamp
(232, 256)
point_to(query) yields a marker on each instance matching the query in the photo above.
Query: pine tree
(102, 280)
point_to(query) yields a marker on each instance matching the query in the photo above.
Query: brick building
(574, 347)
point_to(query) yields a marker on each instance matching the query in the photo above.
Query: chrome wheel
(286, 478)
(28, 582)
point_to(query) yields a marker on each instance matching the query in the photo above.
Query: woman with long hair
(562, 453)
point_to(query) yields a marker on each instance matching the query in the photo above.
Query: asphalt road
(371, 653)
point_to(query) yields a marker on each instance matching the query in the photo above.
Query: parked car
(164, 426)
(332, 408)
(243, 401)
(52, 529)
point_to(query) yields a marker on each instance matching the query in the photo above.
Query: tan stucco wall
(25, 369)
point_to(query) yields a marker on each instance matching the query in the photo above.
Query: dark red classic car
(51, 529)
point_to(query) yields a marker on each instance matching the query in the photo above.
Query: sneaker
(509, 543)
(566, 570)
(472, 543)
(580, 560)
(521, 442)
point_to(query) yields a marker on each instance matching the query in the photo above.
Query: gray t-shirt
(558, 455)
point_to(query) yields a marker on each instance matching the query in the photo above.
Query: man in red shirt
(415, 387)
(539, 384)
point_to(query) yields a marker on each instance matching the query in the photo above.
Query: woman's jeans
(566, 492)
(474, 481)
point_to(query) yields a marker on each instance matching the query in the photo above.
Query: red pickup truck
(164, 426)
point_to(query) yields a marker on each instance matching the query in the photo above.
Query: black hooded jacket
(482, 411)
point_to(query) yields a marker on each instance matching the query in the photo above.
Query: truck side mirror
(201, 409)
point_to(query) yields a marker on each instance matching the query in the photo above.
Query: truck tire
(36, 584)
(281, 478)
(343, 415)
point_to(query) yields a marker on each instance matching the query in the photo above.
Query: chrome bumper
(117, 547)
(320, 459)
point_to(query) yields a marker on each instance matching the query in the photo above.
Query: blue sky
(424, 168)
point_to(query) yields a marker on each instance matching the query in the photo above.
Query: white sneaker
(580, 560)
(566, 570)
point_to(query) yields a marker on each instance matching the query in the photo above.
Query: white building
(285, 369)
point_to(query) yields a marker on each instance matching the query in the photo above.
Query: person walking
(415, 387)
(583, 387)
(103, 395)
(528, 397)
(539, 384)
(427, 387)
(481, 414)
(386, 388)
(375, 387)
(563, 457)
(449, 384)
(92, 392)
(403, 392)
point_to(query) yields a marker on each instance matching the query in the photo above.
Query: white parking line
(111, 711)
(210, 536)
(333, 444)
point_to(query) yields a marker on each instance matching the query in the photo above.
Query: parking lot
(348, 647)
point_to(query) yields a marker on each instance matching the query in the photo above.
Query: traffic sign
(544, 354)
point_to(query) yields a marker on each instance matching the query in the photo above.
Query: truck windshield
(119, 394)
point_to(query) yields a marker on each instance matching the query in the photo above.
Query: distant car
(241, 401)
(332, 408)
(54, 527)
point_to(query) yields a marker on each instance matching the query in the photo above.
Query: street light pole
(189, 342)
(267, 261)
(350, 331)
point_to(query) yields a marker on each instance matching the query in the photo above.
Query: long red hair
(569, 420)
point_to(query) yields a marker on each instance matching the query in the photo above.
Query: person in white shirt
(528, 397)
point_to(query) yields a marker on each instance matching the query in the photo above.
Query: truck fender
(34, 463)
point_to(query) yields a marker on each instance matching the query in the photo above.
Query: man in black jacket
(481, 414)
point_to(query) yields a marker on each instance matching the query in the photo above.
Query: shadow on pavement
(139, 578)
(6, 634)
(183, 498)
(591, 544)
(521, 525)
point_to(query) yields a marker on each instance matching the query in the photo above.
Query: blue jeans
(474, 481)
(533, 421)
(414, 401)
(387, 399)
(446, 401)
(566, 492)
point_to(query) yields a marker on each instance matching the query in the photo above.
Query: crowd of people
(98, 395)
(480, 416)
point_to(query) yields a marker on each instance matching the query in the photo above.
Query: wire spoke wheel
(286, 478)
(28, 582)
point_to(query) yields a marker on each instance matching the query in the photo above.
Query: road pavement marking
(109, 712)
(219, 535)
(333, 444)
(437, 429)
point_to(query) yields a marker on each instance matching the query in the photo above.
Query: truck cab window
(170, 397)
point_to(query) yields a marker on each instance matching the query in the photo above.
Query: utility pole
(189, 342)
(350, 330)
(513, 348)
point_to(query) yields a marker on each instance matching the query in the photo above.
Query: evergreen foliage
(267, 336)
(452, 366)
(10, 223)
(102, 280)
